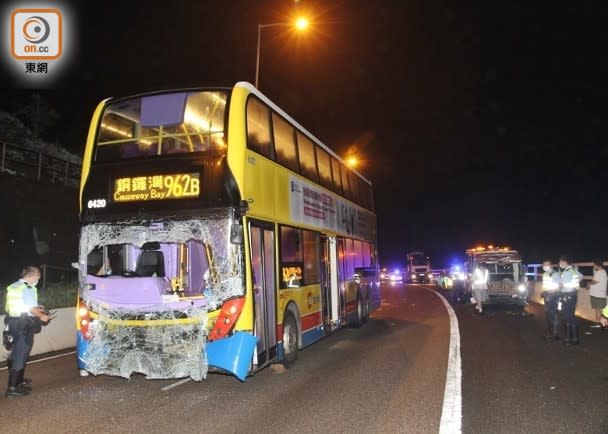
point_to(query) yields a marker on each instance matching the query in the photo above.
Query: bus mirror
(236, 233)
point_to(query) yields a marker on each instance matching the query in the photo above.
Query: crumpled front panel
(166, 351)
(174, 349)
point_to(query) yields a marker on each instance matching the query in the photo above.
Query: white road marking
(179, 383)
(451, 414)
(44, 359)
(164, 389)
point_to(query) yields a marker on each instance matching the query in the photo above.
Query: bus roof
(251, 88)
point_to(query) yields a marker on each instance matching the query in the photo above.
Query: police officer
(22, 310)
(479, 286)
(551, 295)
(570, 279)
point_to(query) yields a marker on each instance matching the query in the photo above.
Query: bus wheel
(365, 310)
(360, 313)
(290, 339)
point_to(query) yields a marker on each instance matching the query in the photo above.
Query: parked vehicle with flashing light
(507, 281)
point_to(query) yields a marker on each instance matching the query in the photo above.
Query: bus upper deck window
(156, 125)
(258, 128)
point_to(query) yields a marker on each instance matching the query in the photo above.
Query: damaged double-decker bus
(216, 233)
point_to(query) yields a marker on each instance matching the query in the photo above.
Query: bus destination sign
(156, 187)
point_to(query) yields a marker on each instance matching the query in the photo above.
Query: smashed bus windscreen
(162, 124)
(188, 258)
(185, 267)
(167, 275)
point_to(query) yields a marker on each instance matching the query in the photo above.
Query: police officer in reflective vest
(570, 279)
(479, 286)
(23, 313)
(551, 295)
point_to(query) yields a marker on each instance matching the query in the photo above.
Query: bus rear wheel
(360, 313)
(366, 310)
(290, 339)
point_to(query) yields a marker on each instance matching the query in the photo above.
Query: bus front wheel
(290, 339)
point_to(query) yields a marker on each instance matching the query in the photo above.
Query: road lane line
(179, 383)
(44, 359)
(451, 414)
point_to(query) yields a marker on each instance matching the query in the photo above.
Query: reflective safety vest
(550, 281)
(480, 279)
(570, 279)
(17, 298)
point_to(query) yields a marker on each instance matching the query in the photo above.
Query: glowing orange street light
(352, 161)
(300, 24)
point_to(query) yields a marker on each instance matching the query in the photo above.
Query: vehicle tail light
(84, 320)
(231, 310)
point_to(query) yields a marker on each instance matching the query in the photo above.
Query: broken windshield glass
(150, 286)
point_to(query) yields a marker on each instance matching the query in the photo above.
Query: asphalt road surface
(388, 376)
(513, 381)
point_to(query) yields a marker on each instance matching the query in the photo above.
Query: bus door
(342, 277)
(264, 290)
(329, 283)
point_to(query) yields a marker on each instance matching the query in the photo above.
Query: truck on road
(418, 268)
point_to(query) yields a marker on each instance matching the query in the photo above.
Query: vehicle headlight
(521, 287)
(413, 276)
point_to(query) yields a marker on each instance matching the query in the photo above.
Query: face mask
(546, 268)
(562, 265)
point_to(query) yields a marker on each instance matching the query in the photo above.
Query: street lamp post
(300, 24)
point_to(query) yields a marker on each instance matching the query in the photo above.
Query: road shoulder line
(451, 413)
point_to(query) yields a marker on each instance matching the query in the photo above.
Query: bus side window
(324, 165)
(258, 128)
(335, 166)
(345, 183)
(284, 143)
(354, 187)
(291, 257)
(306, 153)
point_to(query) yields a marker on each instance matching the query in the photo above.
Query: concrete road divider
(583, 304)
(58, 335)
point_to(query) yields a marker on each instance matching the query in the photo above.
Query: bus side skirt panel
(233, 354)
(311, 336)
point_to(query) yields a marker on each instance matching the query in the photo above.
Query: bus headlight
(230, 312)
(84, 320)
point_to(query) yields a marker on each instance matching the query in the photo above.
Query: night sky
(477, 122)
